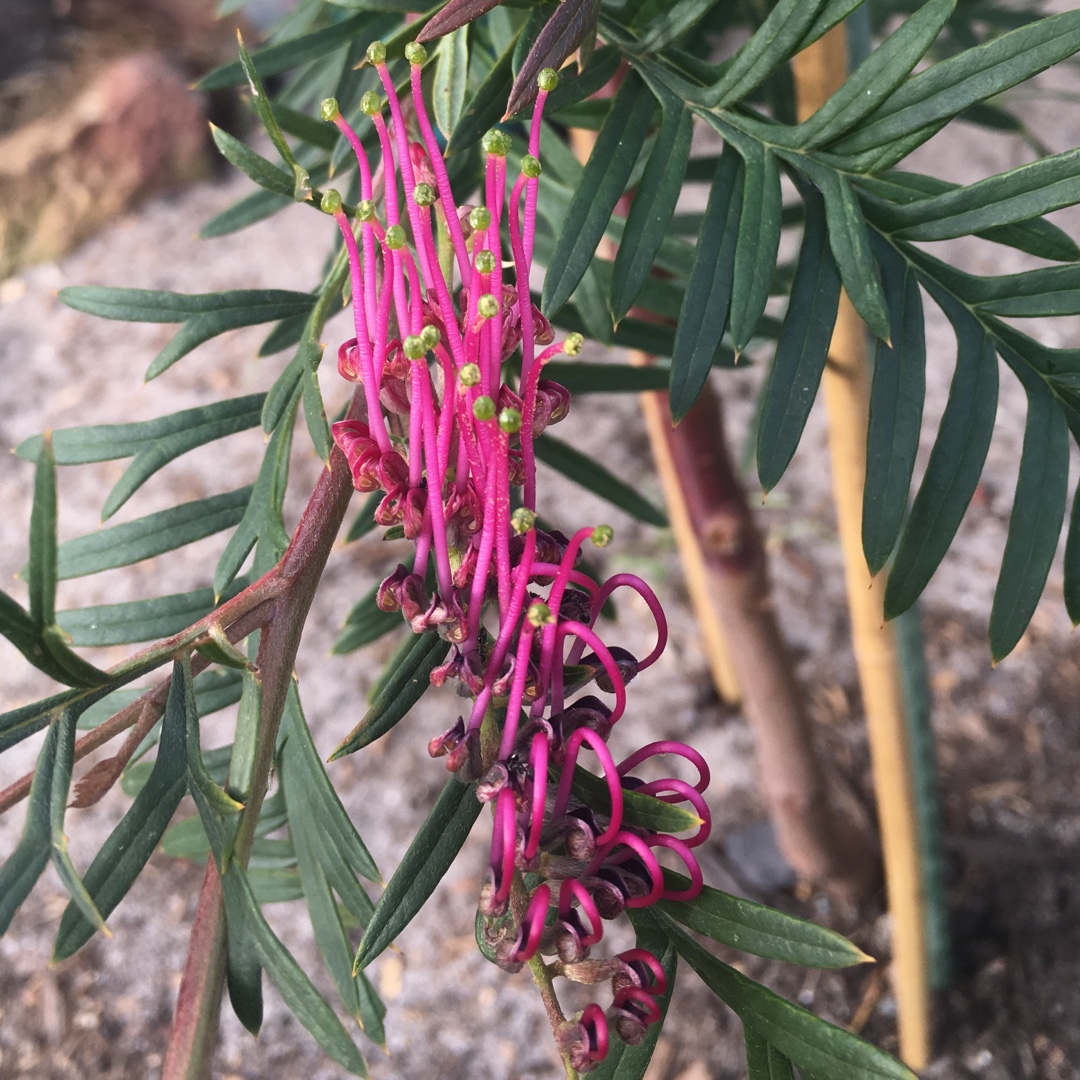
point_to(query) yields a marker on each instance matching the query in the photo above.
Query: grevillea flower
(441, 313)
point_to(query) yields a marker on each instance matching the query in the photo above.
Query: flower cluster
(451, 446)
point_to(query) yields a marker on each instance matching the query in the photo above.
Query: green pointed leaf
(769, 46)
(314, 412)
(17, 626)
(285, 55)
(625, 1062)
(1035, 524)
(896, 404)
(654, 203)
(708, 293)
(365, 623)
(402, 691)
(602, 184)
(425, 864)
(877, 76)
(1072, 563)
(583, 377)
(756, 245)
(956, 462)
(643, 811)
(817, 1048)
(41, 574)
(831, 14)
(764, 1061)
(1025, 192)
(122, 545)
(594, 477)
(451, 80)
(673, 21)
(760, 930)
(24, 866)
(801, 351)
(849, 240)
(485, 108)
(21, 723)
(130, 845)
(140, 620)
(254, 166)
(933, 97)
(157, 306)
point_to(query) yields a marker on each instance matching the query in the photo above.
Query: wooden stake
(820, 70)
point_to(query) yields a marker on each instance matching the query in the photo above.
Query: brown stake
(820, 70)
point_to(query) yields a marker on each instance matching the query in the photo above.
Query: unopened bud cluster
(452, 447)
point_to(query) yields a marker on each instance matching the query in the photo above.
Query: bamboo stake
(819, 70)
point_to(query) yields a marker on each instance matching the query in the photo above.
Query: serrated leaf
(1035, 523)
(763, 1060)
(130, 845)
(424, 865)
(956, 462)
(24, 866)
(625, 1062)
(877, 76)
(642, 811)
(760, 930)
(931, 98)
(1017, 195)
(402, 691)
(592, 476)
(817, 1047)
(896, 404)
(653, 205)
(849, 240)
(708, 293)
(451, 80)
(801, 351)
(757, 243)
(366, 622)
(602, 183)
(122, 545)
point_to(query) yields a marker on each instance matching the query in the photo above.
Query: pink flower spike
(509, 617)
(517, 691)
(532, 925)
(697, 881)
(639, 958)
(644, 852)
(681, 791)
(632, 581)
(578, 629)
(572, 889)
(670, 746)
(576, 577)
(562, 798)
(503, 843)
(538, 762)
(566, 564)
(346, 129)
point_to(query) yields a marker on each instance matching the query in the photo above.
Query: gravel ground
(1008, 745)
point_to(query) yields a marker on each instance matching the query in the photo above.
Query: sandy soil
(1009, 747)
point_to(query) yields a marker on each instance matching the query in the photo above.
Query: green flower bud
(329, 110)
(413, 346)
(530, 166)
(366, 210)
(485, 261)
(496, 142)
(488, 306)
(480, 217)
(522, 520)
(572, 345)
(602, 535)
(415, 53)
(376, 53)
(370, 105)
(395, 238)
(331, 202)
(424, 195)
(470, 375)
(539, 614)
(430, 336)
(510, 421)
(548, 79)
(484, 408)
